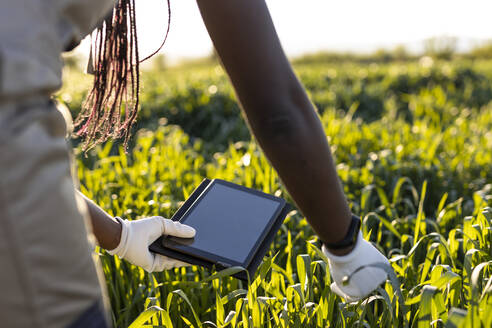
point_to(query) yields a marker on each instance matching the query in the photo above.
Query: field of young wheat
(413, 145)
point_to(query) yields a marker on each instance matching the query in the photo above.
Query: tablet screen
(229, 221)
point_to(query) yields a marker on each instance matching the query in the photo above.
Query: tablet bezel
(174, 245)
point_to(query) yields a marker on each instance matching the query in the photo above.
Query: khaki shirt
(47, 274)
(33, 34)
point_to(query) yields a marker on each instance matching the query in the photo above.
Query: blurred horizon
(354, 26)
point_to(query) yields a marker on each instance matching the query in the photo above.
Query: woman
(48, 277)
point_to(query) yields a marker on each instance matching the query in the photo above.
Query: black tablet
(234, 226)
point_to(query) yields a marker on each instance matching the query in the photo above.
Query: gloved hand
(136, 236)
(356, 266)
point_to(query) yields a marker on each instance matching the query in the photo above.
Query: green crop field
(413, 145)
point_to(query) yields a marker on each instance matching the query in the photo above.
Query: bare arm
(278, 111)
(106, 229)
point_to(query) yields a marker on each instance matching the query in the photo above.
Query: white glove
(136, 236)
(356, 266)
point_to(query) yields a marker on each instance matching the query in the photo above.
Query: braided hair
(112, 105)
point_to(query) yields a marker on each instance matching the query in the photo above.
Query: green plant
(413, 147)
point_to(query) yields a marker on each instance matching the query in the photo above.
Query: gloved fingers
(334, 288)
(144, 259)
(162, 263)
(179, 264)
(361, 284)
(158, 263)
(177, 229)
(152, 227)
(172, 263)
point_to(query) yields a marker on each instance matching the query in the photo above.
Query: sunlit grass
(417, 170)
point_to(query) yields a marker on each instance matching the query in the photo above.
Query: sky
(306, 26)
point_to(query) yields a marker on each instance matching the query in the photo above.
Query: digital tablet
(234, 226)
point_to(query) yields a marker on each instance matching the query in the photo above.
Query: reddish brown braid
(112, 105)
